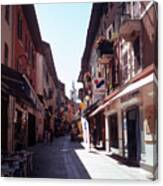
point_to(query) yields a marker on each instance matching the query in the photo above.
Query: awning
(13, 83)
(130, 88)
(91, 108)
(97, 110)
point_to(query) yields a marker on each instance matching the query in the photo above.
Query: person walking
(46, 136)
(50, 136)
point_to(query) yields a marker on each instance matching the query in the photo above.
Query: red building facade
(26, 40)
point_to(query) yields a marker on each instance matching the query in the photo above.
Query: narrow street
(58, 160)
(66, 159)
(87, 69)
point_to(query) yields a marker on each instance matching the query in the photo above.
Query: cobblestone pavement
(66, 159)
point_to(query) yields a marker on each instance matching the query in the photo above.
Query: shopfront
(131, 123)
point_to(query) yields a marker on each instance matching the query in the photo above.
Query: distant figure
(86, 135)
(50, 136)
(46, 136)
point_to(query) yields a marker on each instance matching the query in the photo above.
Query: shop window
(19, 26)
(18, 133)
(6, 50)
(7, 13)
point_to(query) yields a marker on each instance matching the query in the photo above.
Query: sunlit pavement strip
(100, 166)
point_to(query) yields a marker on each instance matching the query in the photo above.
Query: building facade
(7, 101)
(123, 77)
(27, 97)
(50, 87)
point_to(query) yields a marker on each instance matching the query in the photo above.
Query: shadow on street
(58, 160)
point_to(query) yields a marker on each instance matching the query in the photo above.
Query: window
(111, 5)
(47, 78)
(33, 56)
(7, 13)
(105, 8)
(109, 32)
(28, 48)
(136, 9)
(30, 52)
(19, 26)
(6, 54)
(26, 42)
(136, 46)
(125, 11)
(50, 93)
(113, 26)
(125, 67)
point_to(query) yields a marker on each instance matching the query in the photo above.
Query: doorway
(31, 130)
(113, 130)
(133, 135)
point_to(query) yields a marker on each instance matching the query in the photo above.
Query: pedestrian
(50, 136)
(46, 136)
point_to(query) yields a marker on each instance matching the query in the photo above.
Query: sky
(64, 26)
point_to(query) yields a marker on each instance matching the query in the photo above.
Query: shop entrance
(133, 135)
(113, 131)
(100, 130)
(4, 124)
(31, 130)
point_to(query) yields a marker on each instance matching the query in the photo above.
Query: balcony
(130, 20)
(104, 46)
(130, 29)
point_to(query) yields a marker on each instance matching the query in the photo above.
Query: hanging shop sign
(99, 83)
